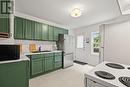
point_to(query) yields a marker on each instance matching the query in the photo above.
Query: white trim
(26, 16)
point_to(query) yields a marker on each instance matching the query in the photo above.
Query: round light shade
(76, 12)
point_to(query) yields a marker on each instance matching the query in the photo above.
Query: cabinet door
(45, 32)
(28, 34)
(58, 58)
(14, 74)
(51, 33)
(56, 33)
(33, 30)
(18, 28)
(65, 31)
(4, 25)
(38, 31)
(58, 65)
(49, 64)
(36, 66)
(61, 31)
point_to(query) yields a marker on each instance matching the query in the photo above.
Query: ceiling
(58, 11)
(125, 6)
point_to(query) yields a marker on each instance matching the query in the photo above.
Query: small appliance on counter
(65, 43)
(9, 52)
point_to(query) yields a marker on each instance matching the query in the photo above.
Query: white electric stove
(108, 74)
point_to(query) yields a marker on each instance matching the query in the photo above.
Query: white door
(80, 49)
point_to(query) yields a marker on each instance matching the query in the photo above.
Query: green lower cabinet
(58, 65)
(15, 74)
(44, 63)
(49, 64)
(37, 66)
(58, 58)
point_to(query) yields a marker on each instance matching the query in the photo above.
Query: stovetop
(125, 81)
(128, 68)
(105, 75)
(116, 72)
(114, 65)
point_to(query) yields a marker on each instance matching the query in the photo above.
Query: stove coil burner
(125, 81)
(128, 68)
(116, 66)
(105, 75)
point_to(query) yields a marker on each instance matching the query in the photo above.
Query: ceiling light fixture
(76, 12)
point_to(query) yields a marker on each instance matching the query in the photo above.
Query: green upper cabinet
(51, 33)
(66, 31)
(38, 31)
(45, 32)
(19, 28)
(30, 30)
(56, 33)
(5, 27)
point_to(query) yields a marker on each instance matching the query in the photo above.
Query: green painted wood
(56, 33)
(37, 66)
(28, 34)
(31, 30)
(4, 25)
(65, 31)
(49, 63)
(58, 59)
(58, 65)
(51, 33)
(38, 31)
(45, 32)
(18, 28)
(14, 74)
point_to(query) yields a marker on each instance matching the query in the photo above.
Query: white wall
(117, 42)
(85, 54)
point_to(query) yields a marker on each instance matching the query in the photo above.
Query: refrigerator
(66, 44)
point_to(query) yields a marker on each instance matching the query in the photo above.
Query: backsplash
(45, 45)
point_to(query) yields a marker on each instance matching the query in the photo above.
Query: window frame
(92, 43)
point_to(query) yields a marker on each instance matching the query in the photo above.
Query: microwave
(9, 52)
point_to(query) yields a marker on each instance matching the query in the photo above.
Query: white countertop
(42, 52)
(23, 57)
(116, 72)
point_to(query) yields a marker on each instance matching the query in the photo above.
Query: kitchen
(64, 43)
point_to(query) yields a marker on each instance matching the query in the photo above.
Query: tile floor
(69, 77)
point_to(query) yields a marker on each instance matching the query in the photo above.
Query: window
(80, 41)
(95, 42)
